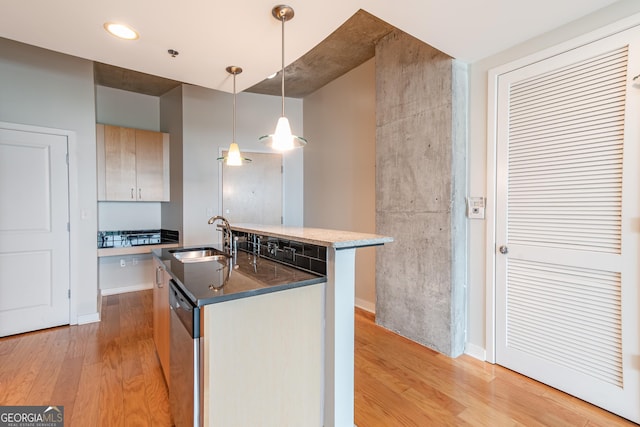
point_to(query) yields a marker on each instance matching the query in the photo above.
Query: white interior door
(252, 193)
(34, 238)
(567, 210)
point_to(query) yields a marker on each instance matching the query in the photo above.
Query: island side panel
(339, 338)
(263, 361)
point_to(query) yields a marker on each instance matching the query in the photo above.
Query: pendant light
(283, 139)
(234, 158)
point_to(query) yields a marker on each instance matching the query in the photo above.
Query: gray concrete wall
(420, 189)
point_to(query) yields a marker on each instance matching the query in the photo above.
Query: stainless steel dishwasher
(185, 385)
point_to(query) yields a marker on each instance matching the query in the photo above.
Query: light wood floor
(400, 383)
(104, 374)
(108, 374)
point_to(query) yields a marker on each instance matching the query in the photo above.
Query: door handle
(503, 250)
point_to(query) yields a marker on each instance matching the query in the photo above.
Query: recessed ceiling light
(121, 31)
(272, 75)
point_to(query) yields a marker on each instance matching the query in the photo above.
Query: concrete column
(421, 121)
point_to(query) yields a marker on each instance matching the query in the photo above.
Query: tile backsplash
(302, 255)
(119, 239)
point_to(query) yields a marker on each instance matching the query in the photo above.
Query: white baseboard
(88, 318)
(366, 305)
(475, 351)
(125, 289)
(100, 303)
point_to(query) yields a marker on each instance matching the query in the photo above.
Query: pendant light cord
(234, 107)
(283, 19)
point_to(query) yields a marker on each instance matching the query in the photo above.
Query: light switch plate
(475, 207)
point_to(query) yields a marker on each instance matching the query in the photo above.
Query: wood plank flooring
(104, 374)
(108, 374)
(400, 383)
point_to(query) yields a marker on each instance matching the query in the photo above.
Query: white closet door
(34, 235)
(567, 217)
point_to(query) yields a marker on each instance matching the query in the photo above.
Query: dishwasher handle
(187, 312)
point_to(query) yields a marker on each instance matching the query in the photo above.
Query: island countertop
(337, 239)
(207, 283)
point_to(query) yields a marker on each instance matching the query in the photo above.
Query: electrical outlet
(134, 261)
(122, 262)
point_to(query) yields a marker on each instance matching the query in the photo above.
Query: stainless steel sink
(199, 255)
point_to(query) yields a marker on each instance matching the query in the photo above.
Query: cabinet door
(120, 163)
(133, 164)
(161, 315)
(149, 166)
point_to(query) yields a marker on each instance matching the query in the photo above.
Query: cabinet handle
(139, 193)
(158, 281)
(132, 195)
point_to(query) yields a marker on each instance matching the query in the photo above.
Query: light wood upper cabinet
(119, 163)
(133, 164)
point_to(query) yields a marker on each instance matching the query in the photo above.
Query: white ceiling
(211, 35)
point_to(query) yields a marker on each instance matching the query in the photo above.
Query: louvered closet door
(568, 219)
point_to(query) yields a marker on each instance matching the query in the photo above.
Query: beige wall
(339, 165)
(477, 173)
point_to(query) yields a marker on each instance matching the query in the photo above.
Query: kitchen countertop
(318, 236)
(204, 282)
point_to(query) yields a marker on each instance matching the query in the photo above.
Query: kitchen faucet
(227, 235)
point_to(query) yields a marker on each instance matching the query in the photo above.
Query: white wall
(48, 89)
(207, 129)
(476, 336)
(171, 122)
(199, 121)
(128, 109)
(339, 165)
(113, 216)
(134, 110)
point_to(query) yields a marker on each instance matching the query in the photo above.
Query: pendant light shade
(234, 157)
(282, 139)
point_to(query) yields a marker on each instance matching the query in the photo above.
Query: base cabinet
(262, 357)
(161, 316)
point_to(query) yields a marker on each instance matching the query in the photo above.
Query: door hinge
(69, 293)
(68, 226)
(67, 158)
(281, 168)
(281, 220)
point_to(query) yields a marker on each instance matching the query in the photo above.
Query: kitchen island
(277, 326)
(339, 303)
